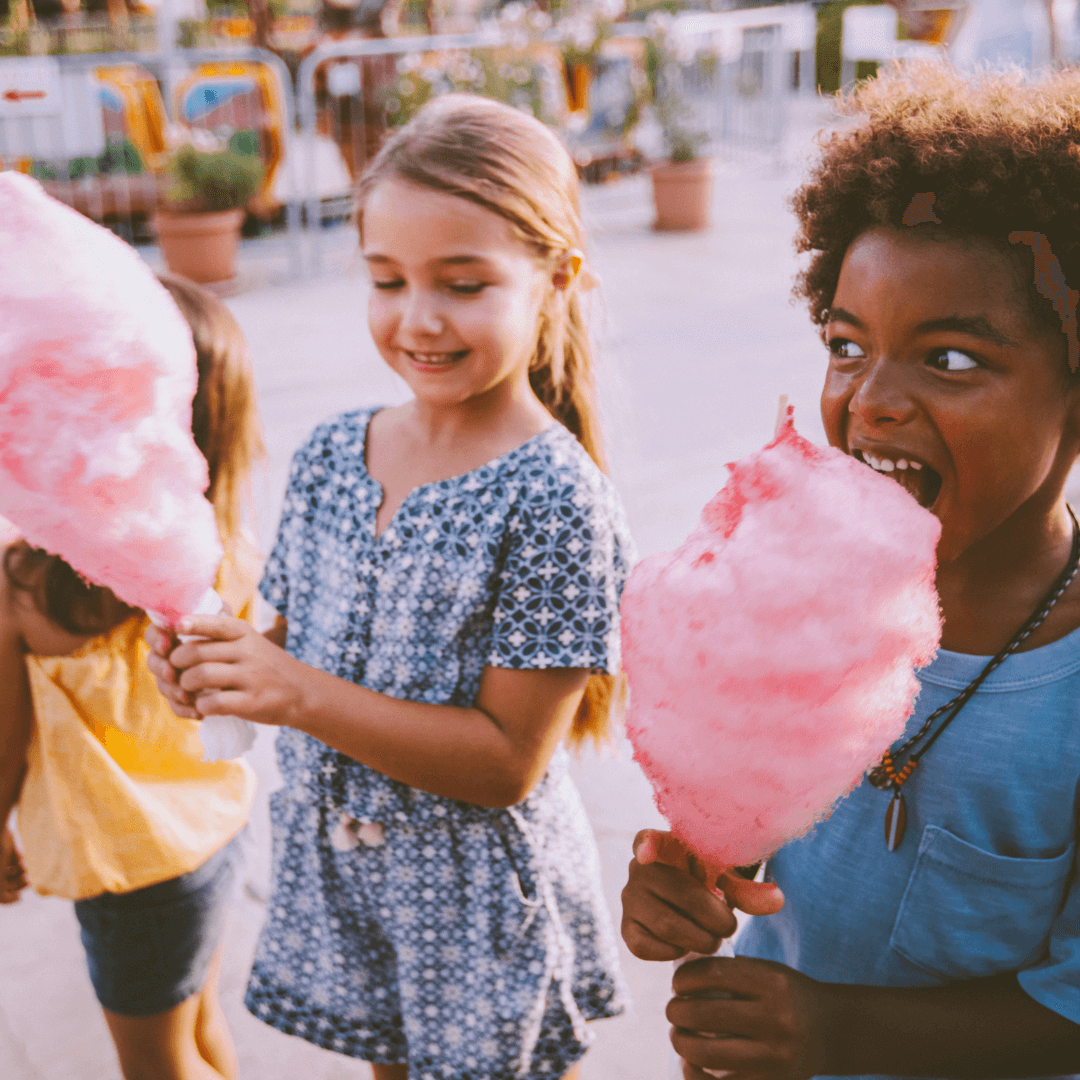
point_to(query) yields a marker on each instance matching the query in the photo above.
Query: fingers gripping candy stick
(771, 657)
(222, 737)
(97, 373)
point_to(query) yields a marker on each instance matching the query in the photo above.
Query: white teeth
(886, 465)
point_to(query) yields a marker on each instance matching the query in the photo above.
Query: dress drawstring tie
(558, 954)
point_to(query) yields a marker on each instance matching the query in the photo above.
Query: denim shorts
(150, 949)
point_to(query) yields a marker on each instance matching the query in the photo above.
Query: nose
(421, 314)
(881, 397)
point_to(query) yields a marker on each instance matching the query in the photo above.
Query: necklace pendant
(895, 822)
(879, 778)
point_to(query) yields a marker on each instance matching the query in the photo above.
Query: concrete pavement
(699, 339)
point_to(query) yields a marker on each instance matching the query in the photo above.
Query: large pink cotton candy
(97, 373)
(771, 657)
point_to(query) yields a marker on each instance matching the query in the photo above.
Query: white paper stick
(783, 414)
(222, 737)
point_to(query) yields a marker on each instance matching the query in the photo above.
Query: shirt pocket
(967, 913)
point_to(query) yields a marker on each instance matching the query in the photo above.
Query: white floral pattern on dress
(472, 942)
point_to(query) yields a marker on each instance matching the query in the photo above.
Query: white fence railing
(739, 73)
(90, 126)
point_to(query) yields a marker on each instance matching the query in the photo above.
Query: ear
(567, 269)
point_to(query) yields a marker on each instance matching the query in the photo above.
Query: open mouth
(433, 361)
(921, 482)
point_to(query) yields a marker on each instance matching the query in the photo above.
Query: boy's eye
(952, 360)
(387, 283)
(844, 349)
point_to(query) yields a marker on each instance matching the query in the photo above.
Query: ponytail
(561, 374)
(562, 377)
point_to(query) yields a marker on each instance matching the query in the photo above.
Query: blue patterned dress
(471, 943)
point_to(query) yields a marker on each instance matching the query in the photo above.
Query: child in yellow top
(117, 810)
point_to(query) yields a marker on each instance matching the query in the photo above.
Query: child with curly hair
(944, 234)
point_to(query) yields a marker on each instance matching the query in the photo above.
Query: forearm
(12, 771)
(986, 1028)
(459, 753)
(16, 725)
(490, 754)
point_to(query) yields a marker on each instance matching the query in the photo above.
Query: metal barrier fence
(744, 69)
(738, 72)
(91, 127)
(738, 77)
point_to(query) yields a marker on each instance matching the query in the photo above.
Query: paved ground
(700, 339)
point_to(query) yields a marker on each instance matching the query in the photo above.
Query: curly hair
(988, 156)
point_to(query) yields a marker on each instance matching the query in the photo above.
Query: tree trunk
(21, 16)
(118, 15)
(260, 17)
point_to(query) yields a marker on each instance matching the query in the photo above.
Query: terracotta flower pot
(682, 193)
(200, 247)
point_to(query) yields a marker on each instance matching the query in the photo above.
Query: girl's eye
(388, 283)
(952, 360)
(844, 349)
(467, 288)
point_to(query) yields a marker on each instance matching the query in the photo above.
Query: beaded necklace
(886, 775)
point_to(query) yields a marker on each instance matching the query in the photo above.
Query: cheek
(835, 395)
(510, 322)
(381, 317)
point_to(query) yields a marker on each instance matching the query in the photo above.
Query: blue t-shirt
(986, 879)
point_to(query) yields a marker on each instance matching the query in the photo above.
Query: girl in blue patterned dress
(447, 576)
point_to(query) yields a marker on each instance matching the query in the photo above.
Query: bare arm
(491, 754)
(786, 1025)
(981, 1028)
(16, 714)
(16, 729)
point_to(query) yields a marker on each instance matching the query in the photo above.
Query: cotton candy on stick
(771, 657)
(97, 374)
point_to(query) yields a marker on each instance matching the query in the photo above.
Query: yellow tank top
(117, 796)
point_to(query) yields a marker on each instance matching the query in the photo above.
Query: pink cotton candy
(771, 657)
(97, 373)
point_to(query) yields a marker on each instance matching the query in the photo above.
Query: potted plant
(682, 183)
(208, 185)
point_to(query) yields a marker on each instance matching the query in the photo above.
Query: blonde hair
(511, 164)
(224, 414)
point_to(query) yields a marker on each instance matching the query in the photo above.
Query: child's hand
(12, 872)
(773, 1028)
(162, 643)
(231, 670)
(672, 905)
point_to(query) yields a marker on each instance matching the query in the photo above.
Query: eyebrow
(977, 326)
(449, 260)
